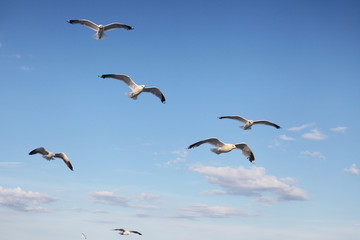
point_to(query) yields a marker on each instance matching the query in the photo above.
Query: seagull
(125, 232)
(249, 123)
(136, 89)
(100, 29)
(50, 156)
(226, 147)
(83, 235)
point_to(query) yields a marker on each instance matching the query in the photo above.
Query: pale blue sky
(296, 63)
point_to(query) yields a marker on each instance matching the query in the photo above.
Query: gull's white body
(100, 29)
(135, 89)
(126, 232)
(226, 147)
(248, 123)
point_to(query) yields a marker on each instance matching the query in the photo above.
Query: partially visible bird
(136, 89)
(50, 156)
(100, 29)
(226, 147)
(125, 232)
(249, 123)
(83, 235)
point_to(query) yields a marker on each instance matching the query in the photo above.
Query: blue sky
(295, 63)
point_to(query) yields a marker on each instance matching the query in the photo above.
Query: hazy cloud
(286, 138)
(26, 68)
(299, 128)
(339, 129)
(9, 164)
(314, 154)
(109, 198)
(314, 134)
(200, 210)
(181, 157)
(352, 170)
(20, 200)
(252, 182)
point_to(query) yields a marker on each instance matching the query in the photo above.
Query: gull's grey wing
(241, 119)
(119, 229)
(266, 123)
(65, 159)
(126, 79)
(156, 92)
(40, 150)
(85, 22)
(112, 26)
(246, 151)
(213, 141)
(136, 232)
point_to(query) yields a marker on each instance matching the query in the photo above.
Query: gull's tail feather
(214, 150)
(96, 36)
(131, 95)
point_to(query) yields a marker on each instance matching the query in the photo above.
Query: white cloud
(286, 138)
(181, 157)
(339, 129)
(314, 154)
(352, 170)
(109, 198)
(315, 134)
(299, 128)
(199, 210)
(21, 200)
(252, 182)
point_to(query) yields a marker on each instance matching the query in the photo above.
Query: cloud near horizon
(200, 210)
(253, 182)
(20, 200)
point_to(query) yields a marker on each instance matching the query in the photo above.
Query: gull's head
(234, 147)
(100, 26)
(251, 122)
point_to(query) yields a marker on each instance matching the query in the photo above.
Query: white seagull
(50, 156)
(100, 29)
(249, 123)
(226, 147)
(125, 232)
(83, 235)
(136, 89)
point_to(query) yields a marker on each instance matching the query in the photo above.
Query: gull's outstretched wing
(241, 119)
(136, 232)
(156, 92)
(112, 26)
(213, 141)
(85, 22)
(119, 229)
(40, 150)
(65, 159)
(266, 123)
(126, 79)
(246, 151)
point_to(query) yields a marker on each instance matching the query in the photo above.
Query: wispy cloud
(110, 198)
(252, 182)
(302, 127)
(9, 164)
(314, 134)
(314, 154)
(26, 68)
(286, 138)
(200, 210)
(339, 129)
(180, 157)
(352, 170)
(20, 200)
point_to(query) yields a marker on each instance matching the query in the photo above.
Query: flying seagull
(136, 89)
(125, 232)
(50, 156)
(100, 29)
(83, 235)
(226, 147)
(249, 123)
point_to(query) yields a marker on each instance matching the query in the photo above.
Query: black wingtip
(32, 152)
(252, 158)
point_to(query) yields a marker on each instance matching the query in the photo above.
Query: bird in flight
(100, 29)
(125, 232)
(226, 147)
(135, 89)
(249, 123)
(50, 156)
(83, 235)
